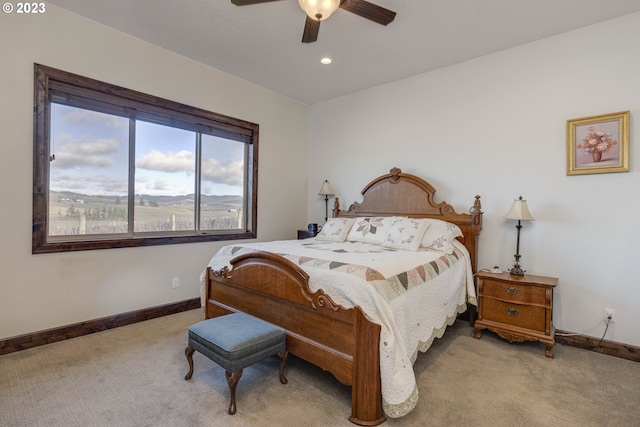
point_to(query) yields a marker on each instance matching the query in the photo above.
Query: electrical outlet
(175, 283)
(609, 313)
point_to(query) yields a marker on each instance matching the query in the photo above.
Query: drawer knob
(511, 290)
(511, 311)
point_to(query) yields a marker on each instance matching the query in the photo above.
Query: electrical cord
(607, 321)
(586, 331)
(606, 328)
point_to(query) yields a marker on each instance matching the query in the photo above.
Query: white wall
(44, 291)
(496, 126)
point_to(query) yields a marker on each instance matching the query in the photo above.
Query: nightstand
(517, 308)
(305, 234)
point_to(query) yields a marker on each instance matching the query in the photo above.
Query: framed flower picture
(598, 144)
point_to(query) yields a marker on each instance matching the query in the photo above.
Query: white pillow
(371, 229)
(335, 230)
(440, 235)
(406, 234)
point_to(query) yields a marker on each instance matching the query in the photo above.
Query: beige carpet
(134, 376)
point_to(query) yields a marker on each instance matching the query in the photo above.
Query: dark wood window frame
(48, 81)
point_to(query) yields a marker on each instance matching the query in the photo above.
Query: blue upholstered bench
(235, 341)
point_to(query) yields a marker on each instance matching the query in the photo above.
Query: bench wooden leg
(189, 353)
(232, 380)
(283, 355)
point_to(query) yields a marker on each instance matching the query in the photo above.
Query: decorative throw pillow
(440, 235)
(335, 230)
(406, 234)
(370, 229)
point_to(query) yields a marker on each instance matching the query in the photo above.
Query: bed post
(366, 390)
(476, 226)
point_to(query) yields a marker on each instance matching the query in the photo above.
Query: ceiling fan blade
(368, 10)
(248, 2)
(311, 28)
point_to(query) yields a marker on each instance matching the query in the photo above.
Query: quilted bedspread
(414, 296)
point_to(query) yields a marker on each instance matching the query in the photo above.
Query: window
(118, 168)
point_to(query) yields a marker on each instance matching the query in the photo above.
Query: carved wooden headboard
(403, 194)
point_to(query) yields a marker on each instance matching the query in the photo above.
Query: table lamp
(520, 212)
(326, 191)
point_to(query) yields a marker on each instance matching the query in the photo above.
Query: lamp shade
(519, 211)
(319, 9)
(326, 189)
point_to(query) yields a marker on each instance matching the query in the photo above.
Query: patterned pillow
(406, 234)
(440, 235)
(335, 230)
(371, 229)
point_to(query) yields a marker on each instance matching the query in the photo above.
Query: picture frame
(598, 144)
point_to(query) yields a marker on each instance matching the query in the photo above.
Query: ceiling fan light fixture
(319, 9)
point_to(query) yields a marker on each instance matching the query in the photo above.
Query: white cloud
(146, 184)
(89, 184)
(217, 172)
(77, 115)
(214, 171)
(161, 184)
(93, 153)
(182, 161)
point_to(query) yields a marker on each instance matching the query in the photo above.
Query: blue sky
(91, 152)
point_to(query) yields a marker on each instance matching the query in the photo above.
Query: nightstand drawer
(517, 308)
(514, 292)
(524, 316)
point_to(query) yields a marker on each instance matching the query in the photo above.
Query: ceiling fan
(319, 10)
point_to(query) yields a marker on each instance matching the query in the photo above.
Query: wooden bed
(341, 341)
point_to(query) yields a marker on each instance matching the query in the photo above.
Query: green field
(73, 214)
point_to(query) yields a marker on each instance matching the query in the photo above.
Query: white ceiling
(260, 43)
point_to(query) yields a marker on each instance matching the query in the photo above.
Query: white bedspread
(412, 308)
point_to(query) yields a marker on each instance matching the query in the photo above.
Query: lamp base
(516, 270)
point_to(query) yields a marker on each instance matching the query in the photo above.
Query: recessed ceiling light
(326, 61)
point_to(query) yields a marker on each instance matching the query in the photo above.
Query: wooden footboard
(339, 340)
